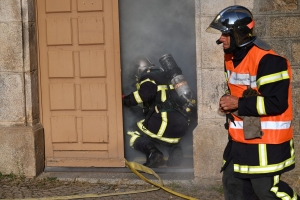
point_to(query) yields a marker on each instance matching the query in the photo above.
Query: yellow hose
(135, 167)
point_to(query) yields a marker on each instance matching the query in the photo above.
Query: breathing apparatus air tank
(174, 76)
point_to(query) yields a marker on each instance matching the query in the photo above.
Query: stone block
(213, 88)
(30, 44)
(12, 99)
(296, 53)
(296, 103)
(28, 11)
(260, 28)
(297, 151)
(22, 150)
(285, 26)
(209, 139)
(282, 47)
(213, 7)
(248, 4)
(32, 98)
(10, 10)
(11, 51)
(211, 53)
(278, 5)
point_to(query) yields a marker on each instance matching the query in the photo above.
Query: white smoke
(152, 29)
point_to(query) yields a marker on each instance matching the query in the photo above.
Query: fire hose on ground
(135, 168)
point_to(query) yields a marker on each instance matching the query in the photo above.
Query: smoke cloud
(152, 29)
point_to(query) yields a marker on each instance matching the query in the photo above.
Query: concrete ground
(114, 184)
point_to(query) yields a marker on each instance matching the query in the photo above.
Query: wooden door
(80, 82)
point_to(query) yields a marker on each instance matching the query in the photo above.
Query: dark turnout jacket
(168, 125)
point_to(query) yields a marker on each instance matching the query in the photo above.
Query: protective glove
(126, 101)
(251, 124)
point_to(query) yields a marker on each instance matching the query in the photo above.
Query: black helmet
(143, 65)
(236, 21)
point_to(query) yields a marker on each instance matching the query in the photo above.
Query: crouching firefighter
(166, 117)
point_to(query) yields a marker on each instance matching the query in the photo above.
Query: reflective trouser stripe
(134, 135)
(279, 194)
(149, 133)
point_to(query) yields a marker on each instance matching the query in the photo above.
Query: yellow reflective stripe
(244, 169)
(138, 86)
(282, 195)
(137, 97)
(260, 105)
(163, 125)
(134, 135)
(272, 78)
(163, 95)
(292, 147)
(227, 74)
(224, 161)
(263, 157)
(163, 89)
(146, 80)
(149, 133)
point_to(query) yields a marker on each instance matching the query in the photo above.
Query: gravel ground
(13, 187)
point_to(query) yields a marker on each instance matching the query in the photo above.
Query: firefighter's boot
(175, 157)
(155, 158)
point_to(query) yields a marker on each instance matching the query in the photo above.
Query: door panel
(80, 86)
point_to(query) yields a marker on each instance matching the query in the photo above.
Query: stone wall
(21, 135)
(277, 24)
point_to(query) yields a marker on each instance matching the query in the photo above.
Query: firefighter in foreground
(167, 103)
(254, 162)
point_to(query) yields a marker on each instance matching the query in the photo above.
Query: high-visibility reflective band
(292, 147)
(244, 169)
(163, 89)
(227, 75)
(163, 125)
(146, 80)
(260, 105)
(137, 97)
(239, 79)
(134, 135)
(272, 78)
(265, 125)
(253, 81)
(262, 152)
(146, 131)
(138, 85)
(281, 195)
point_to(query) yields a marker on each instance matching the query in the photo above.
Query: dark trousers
(265, 188)
(144, 143)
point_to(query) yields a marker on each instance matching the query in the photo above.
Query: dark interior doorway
(152, 29)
